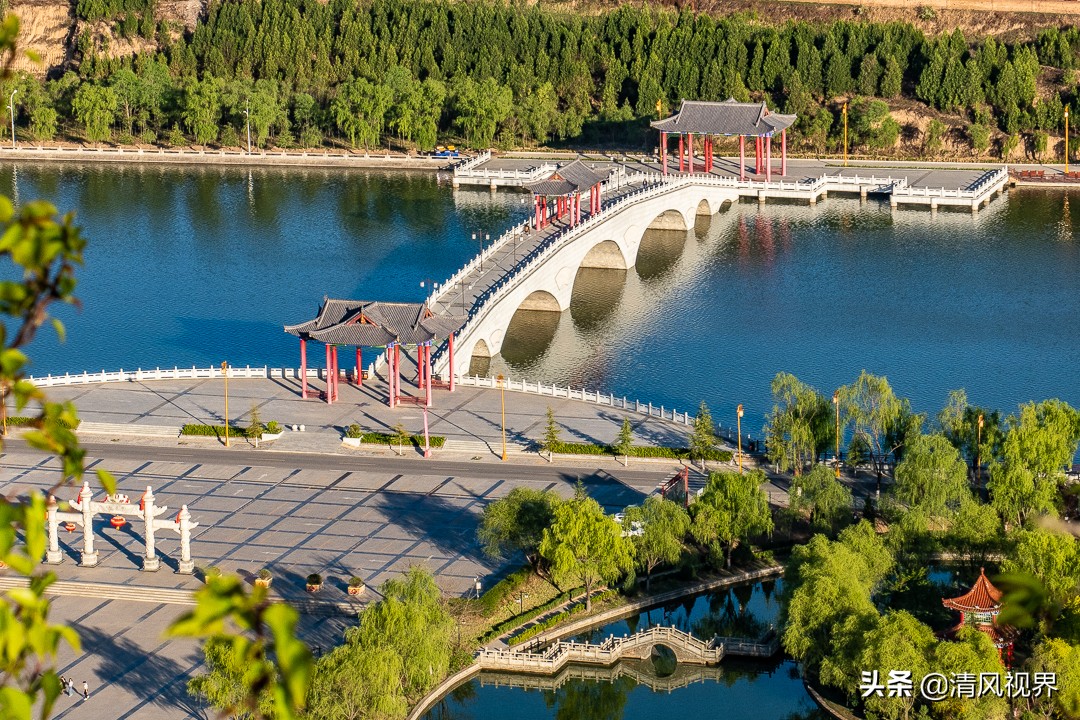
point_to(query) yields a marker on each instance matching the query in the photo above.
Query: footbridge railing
(687, 649)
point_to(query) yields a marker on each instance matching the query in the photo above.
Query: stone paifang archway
(611, 241)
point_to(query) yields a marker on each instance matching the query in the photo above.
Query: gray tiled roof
(570, 178)
(374, 324)
(725, 118)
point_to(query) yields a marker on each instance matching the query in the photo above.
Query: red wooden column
(359, 379)
(742, 158)
(329, 376)
(768, 158)
(690, 151)
(337, 374)
(783, 153)
(427, 374)
(390, 375)
(303, 368)
(682, 166)
(536, 213)
(450, 347)
(663, 151)
(397, 372)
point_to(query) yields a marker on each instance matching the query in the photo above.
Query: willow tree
(517, 523)
(664, 525)
(732, 509)
(823, 497)
(585, 545)
(799, 425)
(870, 406)
(932, 477)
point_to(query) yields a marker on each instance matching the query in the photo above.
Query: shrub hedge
(437, 441)
(579, 607)
(492, 600)
(213, 430)
(640, 451)
(23, 421)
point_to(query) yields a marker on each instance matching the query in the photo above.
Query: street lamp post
(225, 372)
(247, 121)
(738, 433)
(844, 113)
(521, 601)
(1066, 142)
(502, 402)
(483, 238)
(978, 453)
(836, 402)
(477, 586)
(11, 109)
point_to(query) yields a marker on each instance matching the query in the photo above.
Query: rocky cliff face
(51, 28)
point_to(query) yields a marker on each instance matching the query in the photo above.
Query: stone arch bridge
(610, 239)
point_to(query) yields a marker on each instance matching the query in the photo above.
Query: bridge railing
(194, 372)
(472, 162)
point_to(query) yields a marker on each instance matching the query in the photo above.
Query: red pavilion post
(427, 374)
(359, 379)
(329, 376)
(690, 151)
(663, 152)
(303, 368)
(768, 158)
(742, 158)
(682, 166)
(397, 372)
(783, 153)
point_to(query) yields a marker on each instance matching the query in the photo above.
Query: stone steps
(106, 591)
(96, 428)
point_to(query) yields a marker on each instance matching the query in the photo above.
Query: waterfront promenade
(298, 505)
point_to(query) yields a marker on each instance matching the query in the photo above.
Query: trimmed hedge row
(23, 421)
(500, 591)
(213, 430)
(437, 441)
(640, 451)
(579, 607)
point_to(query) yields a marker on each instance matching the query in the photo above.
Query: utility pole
(11, 109)
(845, 134)
(247, 121)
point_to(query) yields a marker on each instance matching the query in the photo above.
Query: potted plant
(353, 435)
(211, 571)
(314, 582)
(264, 578)
(356, 586)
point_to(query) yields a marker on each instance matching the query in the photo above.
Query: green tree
(892, 79)
(800, 423)
(972, 653)
(980, 137)
(359, 109)
(897, 640)
(975, 533)
(625, 441)
(517, 523)
(1051, 557)
(932, 477)
(732, 509)
(872, 124)
(201, 111)
(823, 497)
(95, 107)
(402, 436)
(585, 545)
(480, 107)
(703, 435)
(1037, 445)
(1053, 655)
(664, 525)
(551, 441)
(935, 131)
(869, 407)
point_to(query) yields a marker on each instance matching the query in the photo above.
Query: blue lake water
(196, 265)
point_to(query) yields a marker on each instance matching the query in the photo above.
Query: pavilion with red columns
(979, 607)
(390, 326)
(563, 190)
(728, 118)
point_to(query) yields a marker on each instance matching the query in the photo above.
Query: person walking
(69, 688)
(85, 690)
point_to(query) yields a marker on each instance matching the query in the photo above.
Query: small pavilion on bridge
(979, 608)
(566, 186)
(382, 325)
(728, 118)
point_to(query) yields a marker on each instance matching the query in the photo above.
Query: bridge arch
(540, 300)
(606, 255)
(669, 220)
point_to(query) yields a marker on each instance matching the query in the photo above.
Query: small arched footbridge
(530, 270)
(639, 646)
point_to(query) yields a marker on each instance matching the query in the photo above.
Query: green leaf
(58, 326)
(107, 480)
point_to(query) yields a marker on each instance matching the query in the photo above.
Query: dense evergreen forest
(417, 72)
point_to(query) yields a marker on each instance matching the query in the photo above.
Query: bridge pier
(761, 197)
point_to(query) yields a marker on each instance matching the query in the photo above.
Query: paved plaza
(299, 505)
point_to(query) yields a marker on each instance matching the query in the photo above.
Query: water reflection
(529, 334)
(633, 690)
(597, 294)
(659, 253)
